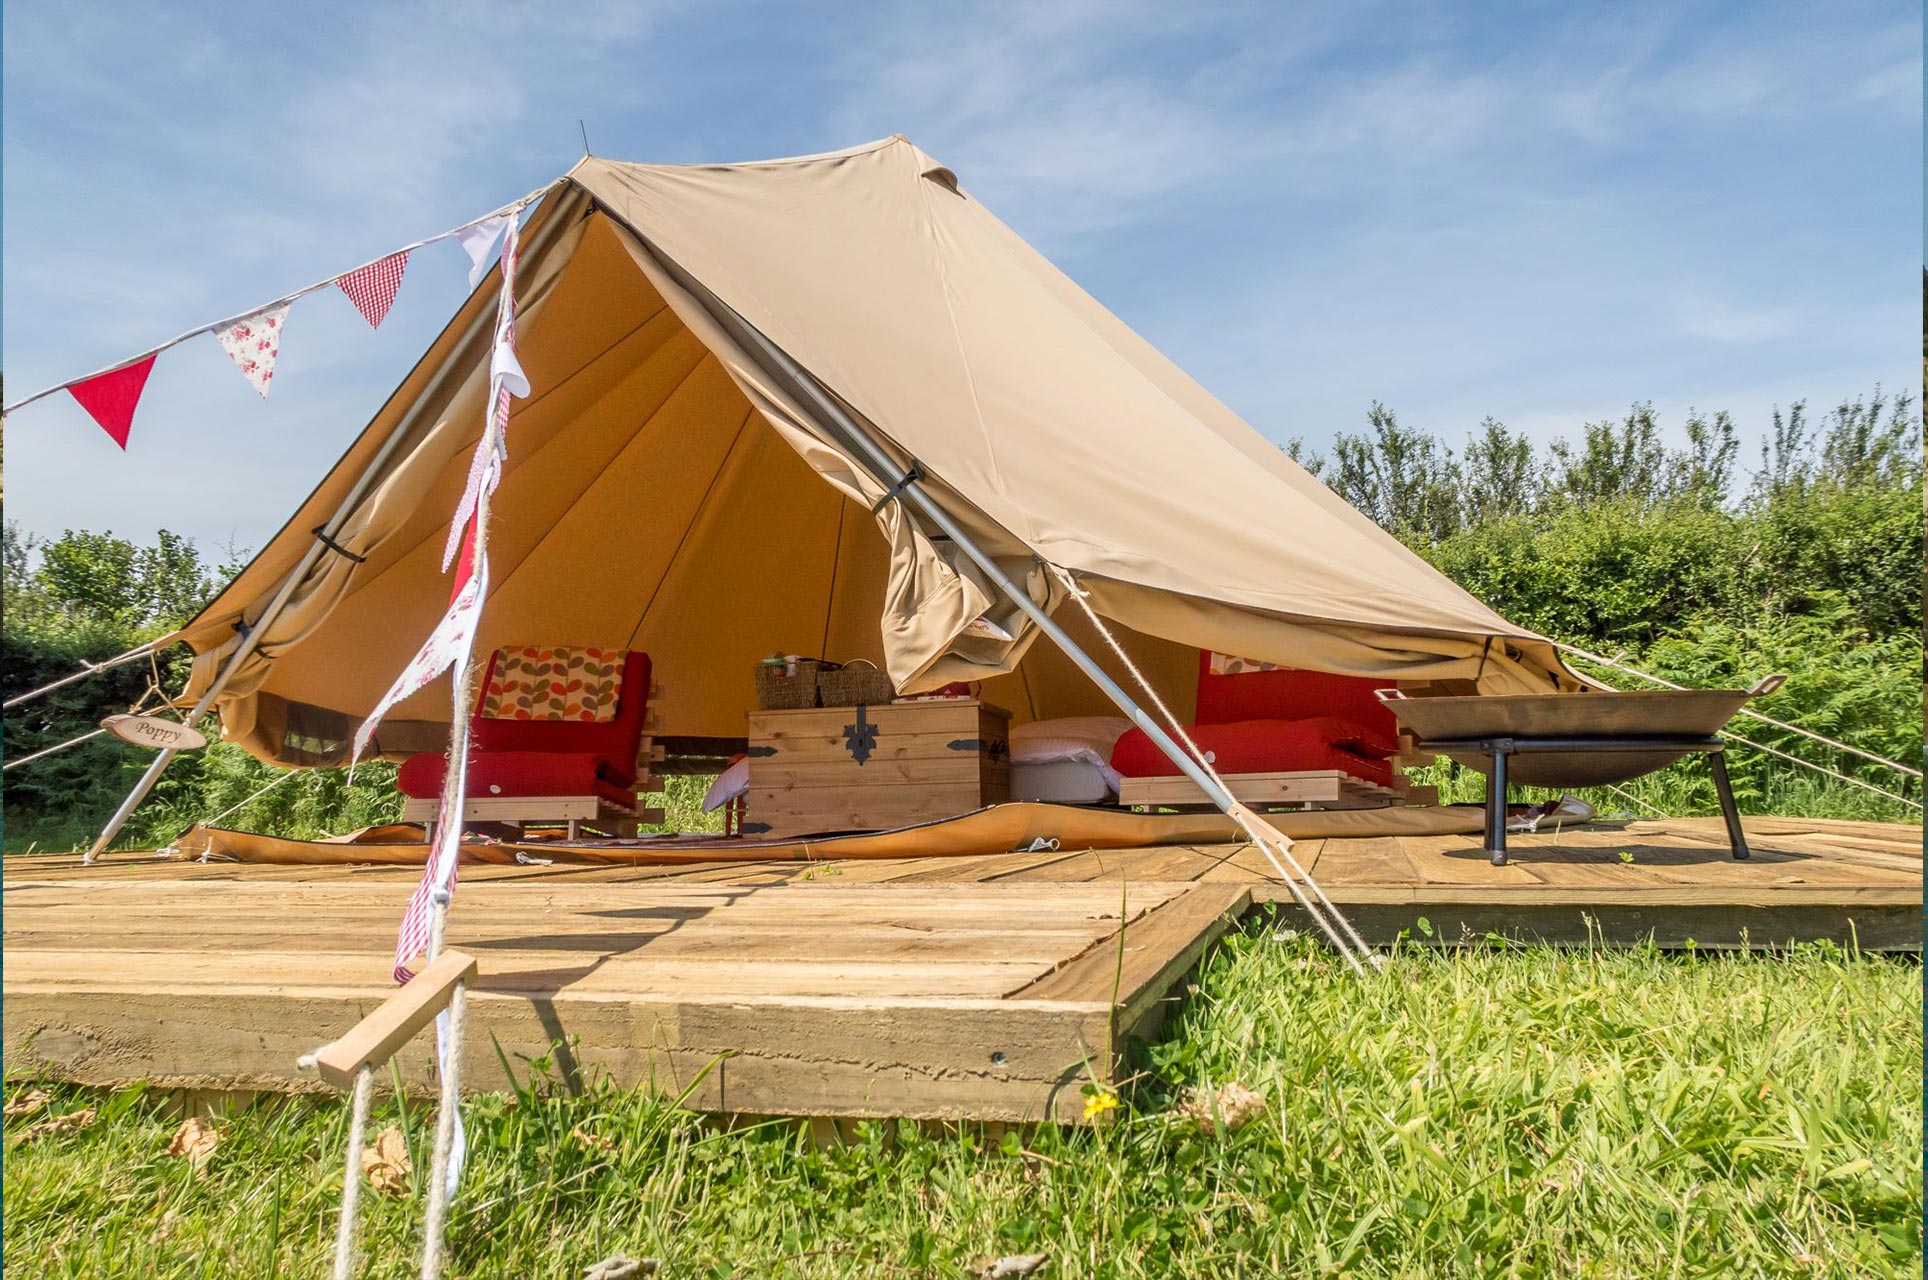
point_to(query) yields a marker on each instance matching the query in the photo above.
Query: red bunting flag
(372, 289)
(110, 397)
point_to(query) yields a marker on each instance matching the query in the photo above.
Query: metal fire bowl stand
(1570, 740)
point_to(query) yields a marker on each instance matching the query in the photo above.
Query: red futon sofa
(1278, 721)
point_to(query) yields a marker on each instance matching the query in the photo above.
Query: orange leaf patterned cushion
(539, 682)
(1225, 664)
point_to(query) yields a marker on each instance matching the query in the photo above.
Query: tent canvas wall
(671, 488)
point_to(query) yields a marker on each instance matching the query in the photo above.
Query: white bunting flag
(444, 646)
(478, 240)
(253, 342)
(506, 379)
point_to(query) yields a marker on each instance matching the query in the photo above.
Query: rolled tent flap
(666, 491)
(935, 604)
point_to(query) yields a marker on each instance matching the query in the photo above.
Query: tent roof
(660, 491)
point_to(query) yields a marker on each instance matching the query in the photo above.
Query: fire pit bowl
(1616, 736)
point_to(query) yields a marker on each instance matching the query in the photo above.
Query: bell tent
(739, 372)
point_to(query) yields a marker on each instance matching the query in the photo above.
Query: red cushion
(1263, 746)
(1288, 694)
(513, 773)
(613, 743)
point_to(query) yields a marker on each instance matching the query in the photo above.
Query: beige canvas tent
(720, 356)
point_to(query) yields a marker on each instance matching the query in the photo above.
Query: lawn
(1489, 1111)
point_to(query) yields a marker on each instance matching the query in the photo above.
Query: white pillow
(731, 783)
(1084, 738)
(1037, 739)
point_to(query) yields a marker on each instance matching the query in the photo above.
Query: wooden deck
(975, 987)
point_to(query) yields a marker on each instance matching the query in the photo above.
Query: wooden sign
(153, 731)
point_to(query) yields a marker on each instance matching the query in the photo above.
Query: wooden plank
(1377, 860)
(1129, 963)
(1247, 863)
(781, 773)
(894, 991)
(1720, 926)
(374, 1040)
(839, 1056)
(803, 810)
(1308, 786)
(1157, 864)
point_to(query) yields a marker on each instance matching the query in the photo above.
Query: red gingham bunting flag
(110, 397)
(373, 288)
(253, 342)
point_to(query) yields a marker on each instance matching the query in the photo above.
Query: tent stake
(325, 536)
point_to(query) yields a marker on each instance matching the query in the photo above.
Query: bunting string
(376, 281)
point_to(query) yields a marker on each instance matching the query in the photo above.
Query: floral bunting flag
(110, 397)
(372, 289)
(253, 342)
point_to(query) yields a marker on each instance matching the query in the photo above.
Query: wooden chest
(870, 768)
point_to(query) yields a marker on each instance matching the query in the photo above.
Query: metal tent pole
(902, 483)
(887, 472)
(325, 537)
(249, 641)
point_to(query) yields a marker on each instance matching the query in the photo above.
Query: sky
(1539, 212)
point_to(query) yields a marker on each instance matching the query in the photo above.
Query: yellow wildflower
(1100, 1102)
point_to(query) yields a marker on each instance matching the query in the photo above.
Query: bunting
(446, 644)
(110, 397)
(372, 288)
(253, 339)
(451, 645)
(253, 342)
(477, 239)
(506, 379)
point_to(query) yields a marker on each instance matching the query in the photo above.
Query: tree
(1622, 459)
(1500, 478)
(1313, 463)
(1703, 472)
(1403, 478)
(1861, 448)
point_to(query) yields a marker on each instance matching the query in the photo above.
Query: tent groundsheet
(995, 829)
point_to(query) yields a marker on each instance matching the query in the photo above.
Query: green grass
(1488, 1112)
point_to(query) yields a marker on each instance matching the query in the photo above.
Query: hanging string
(1747, 711)
(153, 688)
(1821, 768)
(1631, 798)
(233, 808)
(513, 207)
(86, 669)
(1776, 751)
(351, 1178)
(48, 751)
(1267, 838)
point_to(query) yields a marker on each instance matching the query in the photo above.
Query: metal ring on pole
(896, 491)
(321, 535)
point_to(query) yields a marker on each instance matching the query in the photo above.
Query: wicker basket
(855, 684)
(778, 691)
